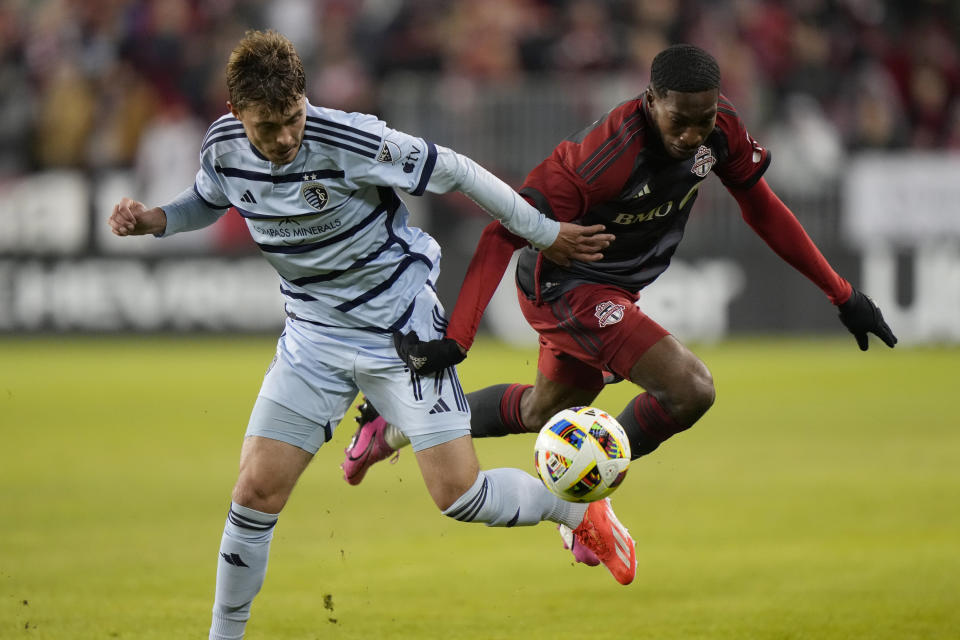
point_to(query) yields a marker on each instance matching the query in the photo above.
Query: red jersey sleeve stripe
(611, 156)
(610, 143)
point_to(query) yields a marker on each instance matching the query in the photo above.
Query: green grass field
(818, 499)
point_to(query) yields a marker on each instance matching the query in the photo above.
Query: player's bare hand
(132, 218)
(575, 242)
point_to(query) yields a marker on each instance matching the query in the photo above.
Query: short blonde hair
(265, 69)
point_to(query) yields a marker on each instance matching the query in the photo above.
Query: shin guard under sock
(513, 498)
(495, 411)
(241, 569)
(647, 424)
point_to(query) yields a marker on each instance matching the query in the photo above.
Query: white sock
(240, 570)
(511, 497)
(394, 437)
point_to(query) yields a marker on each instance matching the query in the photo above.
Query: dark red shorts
(588, 330)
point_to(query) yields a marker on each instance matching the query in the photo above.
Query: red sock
(510, 407)
(495, 411)
(647, 424)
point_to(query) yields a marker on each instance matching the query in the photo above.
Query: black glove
(860, 315)
(427, 357)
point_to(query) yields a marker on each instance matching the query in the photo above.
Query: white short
(318, 371)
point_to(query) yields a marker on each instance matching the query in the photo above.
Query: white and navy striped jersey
(330, 222)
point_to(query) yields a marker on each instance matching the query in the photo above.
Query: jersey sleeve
(401, 160)
(457, 172)
(780, 229)
(188, 212)
(486, 269)
(746, 160)
(207, 185)
(199, 208)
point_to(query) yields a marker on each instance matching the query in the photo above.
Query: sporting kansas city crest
(315, 194)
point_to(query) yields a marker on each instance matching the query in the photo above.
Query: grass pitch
(818, 499)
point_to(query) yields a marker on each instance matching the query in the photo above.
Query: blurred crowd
(85, 82)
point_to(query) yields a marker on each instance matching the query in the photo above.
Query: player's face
(275, 135)
(684, 119)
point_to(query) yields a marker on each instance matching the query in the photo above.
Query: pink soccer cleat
(368, 445)
(580, 552)
(601, 533)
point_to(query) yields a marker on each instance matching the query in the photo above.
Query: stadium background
(859, 101)
(817, 499)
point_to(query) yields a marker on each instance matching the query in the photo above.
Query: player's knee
(689, 401)
(700, 395)
(258, 497)
(706, 395)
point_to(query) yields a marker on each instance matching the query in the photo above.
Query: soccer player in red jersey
(637, 171)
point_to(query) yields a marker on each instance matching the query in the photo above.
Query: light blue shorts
(318, 371)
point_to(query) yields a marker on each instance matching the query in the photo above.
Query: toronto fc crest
(703, 162)
(609, 313)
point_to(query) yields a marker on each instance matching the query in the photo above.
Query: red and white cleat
(601, 533)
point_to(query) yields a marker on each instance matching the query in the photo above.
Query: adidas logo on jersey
(645, 191)
(440, 407)
(248, 197)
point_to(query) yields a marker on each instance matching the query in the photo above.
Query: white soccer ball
(582, 454)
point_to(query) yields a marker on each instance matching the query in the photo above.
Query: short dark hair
(684, 68)
(265, 69)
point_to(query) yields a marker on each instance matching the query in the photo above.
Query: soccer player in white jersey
(317, 188)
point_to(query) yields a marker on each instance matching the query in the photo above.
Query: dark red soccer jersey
(616, 173)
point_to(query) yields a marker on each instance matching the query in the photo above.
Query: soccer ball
(582, 454)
